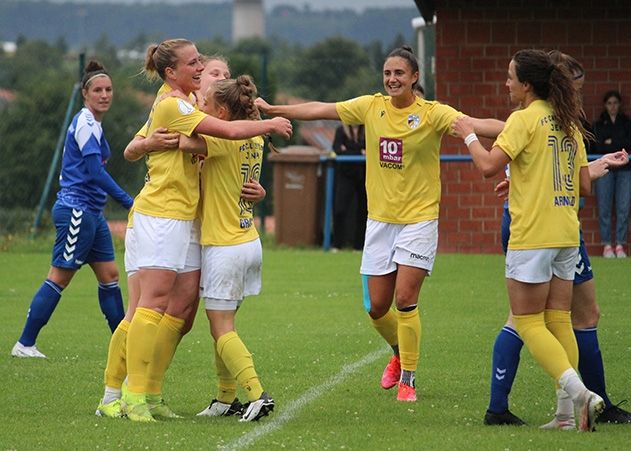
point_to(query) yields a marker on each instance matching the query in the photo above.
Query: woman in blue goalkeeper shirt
(82, 232)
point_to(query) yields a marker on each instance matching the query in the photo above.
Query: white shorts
(388, 245)
(131, 263)
(230, 273)
(538, 265)
(163, 243)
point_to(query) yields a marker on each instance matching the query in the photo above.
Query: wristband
(470, 138)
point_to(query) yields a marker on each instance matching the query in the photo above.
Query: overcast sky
(314, 4)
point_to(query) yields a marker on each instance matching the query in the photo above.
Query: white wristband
(470, 138)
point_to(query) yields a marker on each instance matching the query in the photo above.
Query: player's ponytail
(551, 82)
(163, 55)
(238, 96)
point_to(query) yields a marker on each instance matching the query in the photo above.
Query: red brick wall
(475, 40)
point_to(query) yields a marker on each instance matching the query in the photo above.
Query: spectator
(613, 132)
(350, 210)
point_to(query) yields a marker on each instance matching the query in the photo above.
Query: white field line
(290, 410)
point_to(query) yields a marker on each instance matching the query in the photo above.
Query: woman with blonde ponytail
(168, 256)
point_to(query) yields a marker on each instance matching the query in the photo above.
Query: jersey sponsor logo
(413, 121)
(185, 107)
(391, 153)
(245, 223)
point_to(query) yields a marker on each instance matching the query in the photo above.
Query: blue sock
(590, 362)
(506, 351)
(41, 309)
(111, 302)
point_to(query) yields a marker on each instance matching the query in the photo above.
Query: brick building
(474, 43)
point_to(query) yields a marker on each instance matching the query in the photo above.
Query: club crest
(413, 121)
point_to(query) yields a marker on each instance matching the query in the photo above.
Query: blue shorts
(583, 266)
(82, 237)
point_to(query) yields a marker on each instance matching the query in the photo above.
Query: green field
(316, 355)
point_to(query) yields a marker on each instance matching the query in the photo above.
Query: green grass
(306, 331)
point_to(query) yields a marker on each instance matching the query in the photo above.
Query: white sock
(565, 406)
(572, 384)
(111, 394)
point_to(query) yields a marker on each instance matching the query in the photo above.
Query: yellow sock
(409, 335)
(140, 341)
(387, 327)
(116, 368)
(167, 338)
(226, 385)
(239, 362)
(543, 346)
(559, 322)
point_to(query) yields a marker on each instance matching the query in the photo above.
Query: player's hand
(253, 191)
(501, 189)
(281, 126)
(462, 127)
(616, 159)
(162, 139)
(598, 168)
(262, 105)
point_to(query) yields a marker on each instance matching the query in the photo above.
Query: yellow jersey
(226, 218)
(402, 155)
(171, 187)
(544, 170)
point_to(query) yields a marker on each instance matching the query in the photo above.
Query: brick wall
(475, 40)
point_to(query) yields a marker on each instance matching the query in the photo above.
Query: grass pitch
(315, 353)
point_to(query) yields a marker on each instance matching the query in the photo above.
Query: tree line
(40, 77)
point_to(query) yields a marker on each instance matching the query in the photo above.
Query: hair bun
(93, 66)
(407, 47)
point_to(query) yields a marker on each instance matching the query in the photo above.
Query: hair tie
(97, 75)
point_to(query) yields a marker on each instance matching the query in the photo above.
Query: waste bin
(298, 195)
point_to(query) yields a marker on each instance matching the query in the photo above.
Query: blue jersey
(84, 137)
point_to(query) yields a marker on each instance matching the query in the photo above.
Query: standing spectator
(613, 132)
(349, 222)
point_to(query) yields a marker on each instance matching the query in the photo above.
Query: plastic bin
(298, 195)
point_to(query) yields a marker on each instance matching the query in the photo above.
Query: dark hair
(405, 52)
(163, 55)
(576, 69)
(238, 96)
(92, 69)
(551, 82)
(612, 93)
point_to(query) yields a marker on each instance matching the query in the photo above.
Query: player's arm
(160, 139)
(243, 129)
(585, 181)
(489, 128)
(302, 111)
(489, 163)
(193, 144)
(100, 177)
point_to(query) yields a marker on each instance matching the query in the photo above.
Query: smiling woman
(168, 253)
(403, 136)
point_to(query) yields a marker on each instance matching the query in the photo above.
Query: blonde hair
(237, 95)
(163, 55)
